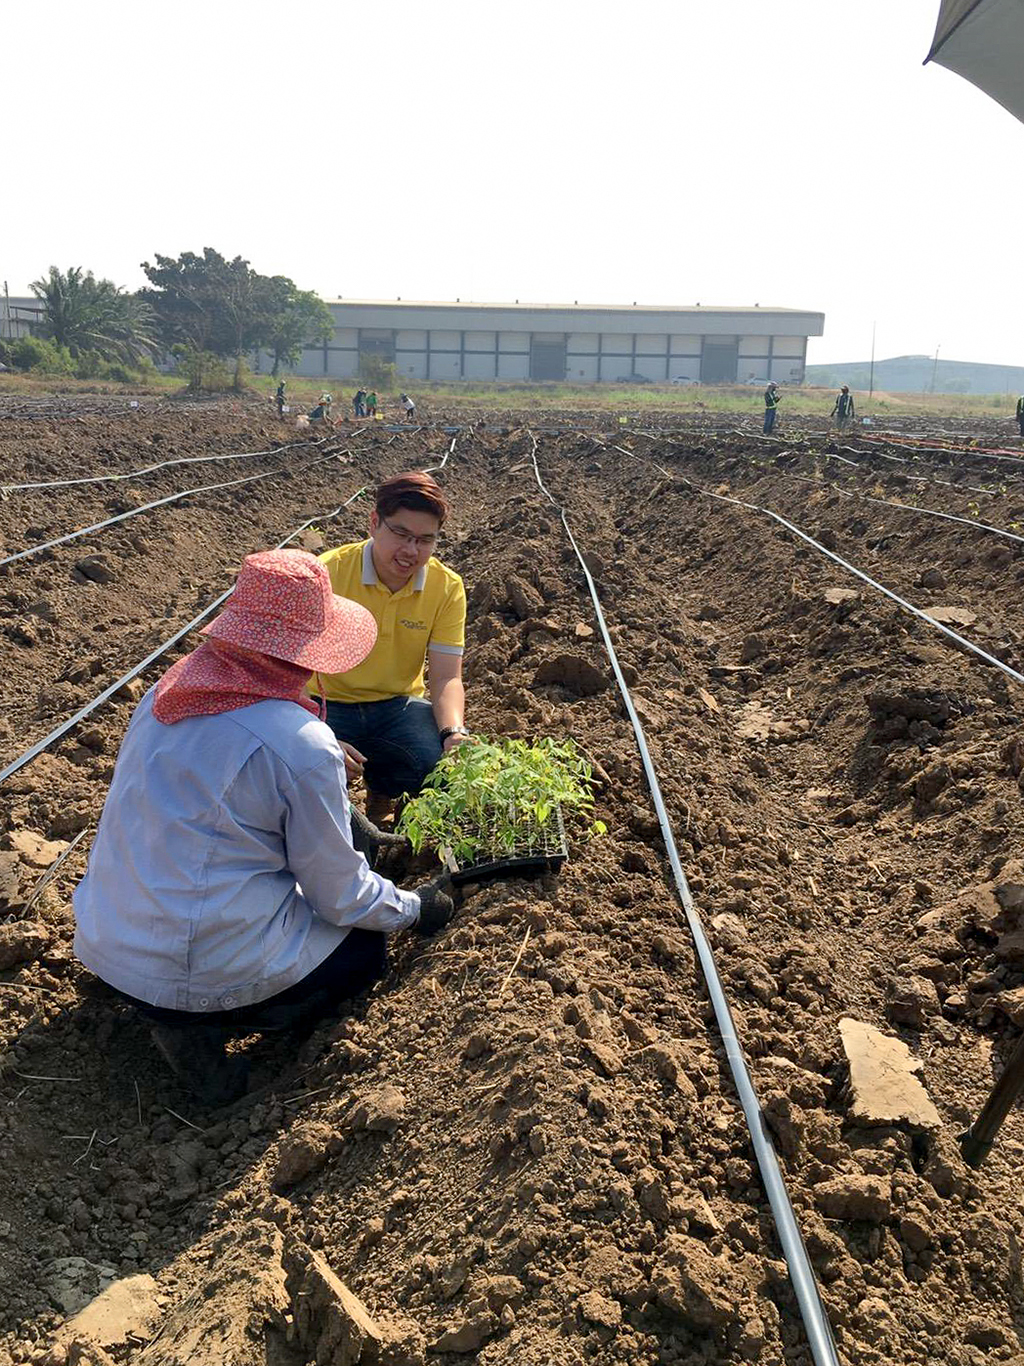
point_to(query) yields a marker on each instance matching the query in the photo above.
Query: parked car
(634, 379)
(682, 379)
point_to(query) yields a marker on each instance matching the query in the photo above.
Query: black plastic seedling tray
(539, 849)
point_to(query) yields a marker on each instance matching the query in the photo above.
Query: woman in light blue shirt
(224, 893)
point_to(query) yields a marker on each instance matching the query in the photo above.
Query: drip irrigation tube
(905, 507)
(960, 640)
(162, 502)
(801, 1272)
(984, 452)
(914, 478)
(6, 489)
(851, 568)
(144, 664)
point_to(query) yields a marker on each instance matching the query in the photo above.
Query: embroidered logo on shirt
(414, 625)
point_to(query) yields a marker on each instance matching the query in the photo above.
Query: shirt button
(204, 1001)
(229, 1000)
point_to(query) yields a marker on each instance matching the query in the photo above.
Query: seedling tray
(538, 848)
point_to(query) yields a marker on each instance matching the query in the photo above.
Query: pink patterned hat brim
(345, 641)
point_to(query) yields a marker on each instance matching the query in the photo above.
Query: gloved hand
(436, 904)
(368, 839)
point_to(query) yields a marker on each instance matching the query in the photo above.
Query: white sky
(792, 153)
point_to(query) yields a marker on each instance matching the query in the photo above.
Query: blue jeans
(398, 736)
(769, 419)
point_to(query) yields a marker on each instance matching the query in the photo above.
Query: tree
(225, 308)
(208, 304)
(300, 317)
(82, 313)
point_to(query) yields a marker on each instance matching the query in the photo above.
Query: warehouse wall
(606, 346)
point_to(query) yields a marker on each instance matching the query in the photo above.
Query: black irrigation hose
(905, 507)
(7, 489)
(162, 502)
(144, 664)
(914, 478)
(801, 1272)
(973, 452)
(960, 640)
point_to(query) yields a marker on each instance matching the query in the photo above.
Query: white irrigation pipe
(801, 1273)
(144, 664)
(161, 502)
(6, 489)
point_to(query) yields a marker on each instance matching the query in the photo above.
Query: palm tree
(86, 314)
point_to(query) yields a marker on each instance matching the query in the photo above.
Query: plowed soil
(525, 1146)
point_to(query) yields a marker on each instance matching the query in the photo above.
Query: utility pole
(935, 366)
(871, 378)
(7, 330)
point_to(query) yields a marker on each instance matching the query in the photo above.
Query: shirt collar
(370, 573)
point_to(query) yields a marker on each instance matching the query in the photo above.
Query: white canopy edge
(983, 41)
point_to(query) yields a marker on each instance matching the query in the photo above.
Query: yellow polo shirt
(428, 613)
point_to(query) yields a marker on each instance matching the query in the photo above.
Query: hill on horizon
(914, 375)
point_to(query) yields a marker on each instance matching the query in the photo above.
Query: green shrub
(35, 353)
(205, 372)
(90, 365)
(123, 374)
(377, 373)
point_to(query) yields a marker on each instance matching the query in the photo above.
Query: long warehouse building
(575, 343)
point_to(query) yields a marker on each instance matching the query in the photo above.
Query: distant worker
(359, 402)
(842, 410)
(279, 399)
(371, 403)
(771, 403)
(409, 406)
(1020, 414)
(322, 411)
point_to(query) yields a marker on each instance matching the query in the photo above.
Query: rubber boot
(196, 1055)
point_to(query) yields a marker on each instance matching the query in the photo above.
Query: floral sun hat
(283, 606)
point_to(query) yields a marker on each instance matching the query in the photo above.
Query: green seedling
(483, 798)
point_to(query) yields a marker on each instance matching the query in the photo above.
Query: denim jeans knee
(398, 736)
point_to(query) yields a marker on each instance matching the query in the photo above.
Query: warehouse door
(547, 357)
(719, 360)
(380, 345)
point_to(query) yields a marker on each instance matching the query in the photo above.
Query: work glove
(436, 904)
(368, 839)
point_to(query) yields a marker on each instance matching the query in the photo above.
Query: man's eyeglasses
(409, 537)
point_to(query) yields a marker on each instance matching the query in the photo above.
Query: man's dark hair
(415, 491)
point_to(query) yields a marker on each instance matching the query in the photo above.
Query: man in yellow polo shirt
(385, 713)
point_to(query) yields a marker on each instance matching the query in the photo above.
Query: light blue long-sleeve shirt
(223, 870)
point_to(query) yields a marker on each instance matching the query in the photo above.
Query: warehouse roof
(566, 308)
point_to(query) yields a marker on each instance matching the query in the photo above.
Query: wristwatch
(452, 730)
